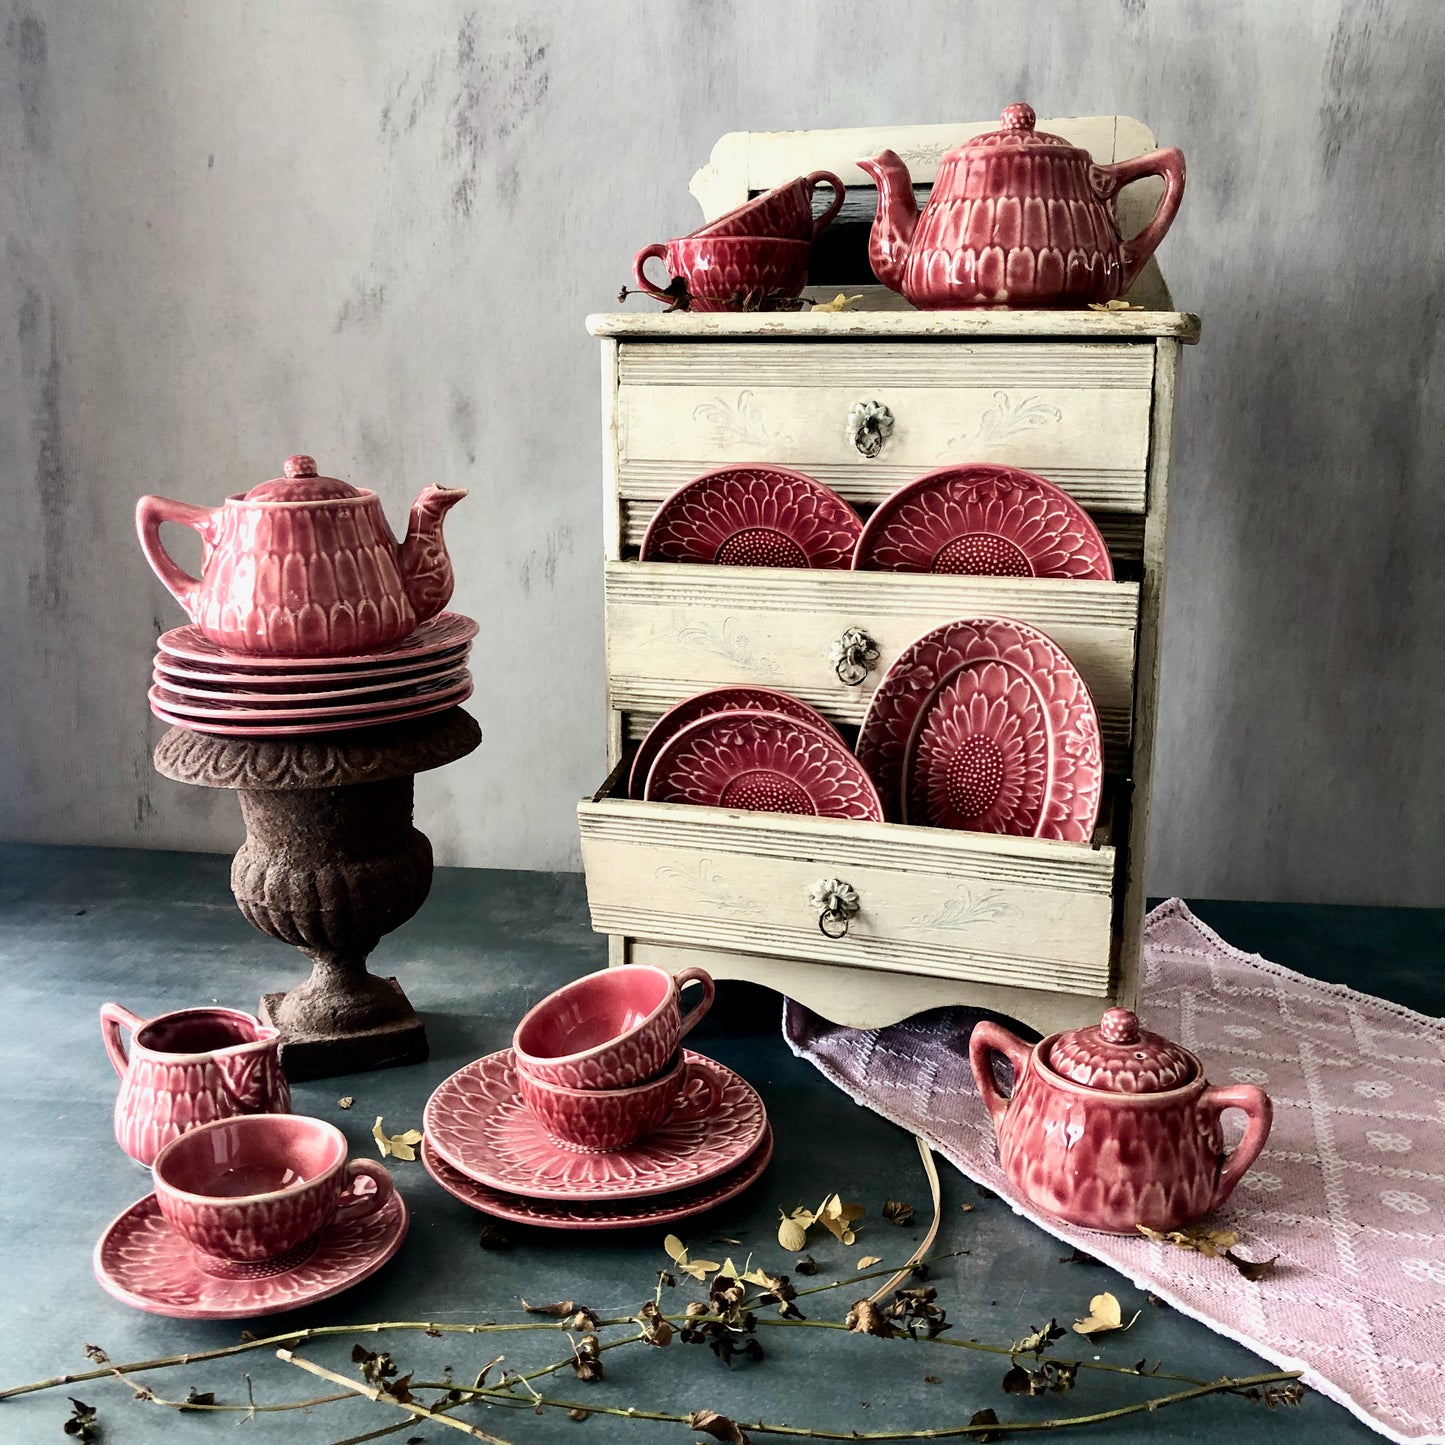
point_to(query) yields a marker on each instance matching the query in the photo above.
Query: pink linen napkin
(1349, 1191)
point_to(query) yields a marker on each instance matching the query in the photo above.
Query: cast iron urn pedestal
(331, 862)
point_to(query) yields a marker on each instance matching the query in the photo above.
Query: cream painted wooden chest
(1046, 932)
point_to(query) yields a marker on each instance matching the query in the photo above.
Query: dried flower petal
(985, 1417)
(806, 1265)
(82, 1423)
(867, 1261)
(655, 1329)
(1037, 1342)
(792, 1236)
(895, 1211)
(865, 1318)
(1105, 1314)
(587, 1359)
(493, 1238)
(720, 1427)
(395, 1146)
(699, 1269)
(1252, 1269)
(346, 1101)
(837, 1218)
(560, 1308)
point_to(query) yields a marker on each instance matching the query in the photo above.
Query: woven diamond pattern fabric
(1349, 1191)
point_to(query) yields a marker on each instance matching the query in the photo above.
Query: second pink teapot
(305, 566)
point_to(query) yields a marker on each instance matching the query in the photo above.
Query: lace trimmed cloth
(1349, 1191)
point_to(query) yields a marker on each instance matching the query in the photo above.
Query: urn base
(321, 1053)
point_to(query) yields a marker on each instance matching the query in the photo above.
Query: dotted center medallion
(975, 775)
(765, 792)
(982, 554)
(761, 547)
(247, 1269)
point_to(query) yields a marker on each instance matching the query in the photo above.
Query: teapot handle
(1257, 1106)
(150, 512)
(640, 260)
(1167, 162)
(817, 179)
(114, 1018)
(989, 1038)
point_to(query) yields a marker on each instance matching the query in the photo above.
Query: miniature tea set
(308, 616)
(1015, 218)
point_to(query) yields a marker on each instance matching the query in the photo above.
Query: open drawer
(674, 629)
(1022, 925)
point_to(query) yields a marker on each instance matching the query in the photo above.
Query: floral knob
(1018, 116)
(299, 466)
(837, 903)
(1119, 1026)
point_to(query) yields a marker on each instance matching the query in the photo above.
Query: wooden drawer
(674, 630)
(1075, 412)
(968, 907)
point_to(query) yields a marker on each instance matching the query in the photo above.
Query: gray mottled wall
(371, 231)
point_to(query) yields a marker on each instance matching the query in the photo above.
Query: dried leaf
(82, 1423)
(98, 1355)
(1105, 1314)
(1211, 1243)
(840, 302)
(865, 1318)
(1158, 1303)
(1078, 1257)
(578, 1414)
(967, 1209)
(895, 1211)
(1252, 1269)
(985, 1418)
(793, 1229)
(561, 1308)
(395, 1146)
(1037, 1342)
(346, 1101)
(837, 1218)
(584, 1319)
(587, 1359)
(655, 1329)
(493, 1238)
(806, 1265)
(723, 1239)
(1118, 304)
(699, 1269)
(198, 1397)
(867, 1261)
(1051, 1377)
(720, 1427)
(932, 1380)
(376, 1365)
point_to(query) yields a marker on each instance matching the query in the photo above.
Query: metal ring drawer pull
(870, 424)
(853, 656)
(837, 903)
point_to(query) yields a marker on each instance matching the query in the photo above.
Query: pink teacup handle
(987, 1039)
(659, 250)
(1167, 162)
(817, 179)
(694, 1015)
(699, 1096)
(358, 1206)
(1260, 1111)
(114, 1018)
(150, 512)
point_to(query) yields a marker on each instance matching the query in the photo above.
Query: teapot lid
(1119, 1057)
(1017, 132)
(299, 483)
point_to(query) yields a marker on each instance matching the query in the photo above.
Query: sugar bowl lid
(1016, 132)
(1119, 1057)
(299, 483)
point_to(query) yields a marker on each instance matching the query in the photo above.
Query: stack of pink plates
(201, 686)
(485, 1147)
(756, 750)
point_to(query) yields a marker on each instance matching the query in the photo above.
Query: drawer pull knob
(870, 424)
(837, 903)
(853, 656)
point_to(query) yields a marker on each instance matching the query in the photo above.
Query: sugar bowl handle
(987, 1039)
(1167, 162)
(1260, 1112)
(150, 512)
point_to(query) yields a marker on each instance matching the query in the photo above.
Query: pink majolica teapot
(1017, 217)
(1112, 1127)
(305, 566)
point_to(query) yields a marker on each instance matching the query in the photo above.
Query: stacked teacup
(755, 255)
(599, 1063)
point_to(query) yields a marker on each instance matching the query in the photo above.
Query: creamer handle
(987, 1039)
(114, 1018)
(150, 512)
(1260, 1111)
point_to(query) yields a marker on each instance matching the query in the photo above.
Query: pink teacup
(611, 1029)
(594, 1120)
(786, 211)
(721, 271)
(260, 1185)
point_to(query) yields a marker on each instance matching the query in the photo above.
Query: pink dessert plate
(263, 726)
(343, 699)
(477, 1123)
(143, 1262)
(717, 699)
(985, 724)
(558, 1214)
(762, 762)
(396, 675)
(272, 709)
(441, 633)
(983, 521)
(754, 517)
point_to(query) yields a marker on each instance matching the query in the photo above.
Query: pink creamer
(187, 1068)
(304, 565)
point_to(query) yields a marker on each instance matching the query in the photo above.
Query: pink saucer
(555, 1214)
(441, 633)
(946, 736)
(477, 1123)
(762, 762)
(753, 517)
(331, 722)
(282, 690)
(717, 699)
(143, 1262)
(983, 521)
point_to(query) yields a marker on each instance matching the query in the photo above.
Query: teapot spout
(426, 569)
(895, 219)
